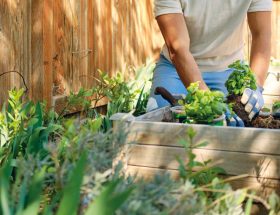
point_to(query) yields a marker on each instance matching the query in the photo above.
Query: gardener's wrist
(260, 79)
(203, 86)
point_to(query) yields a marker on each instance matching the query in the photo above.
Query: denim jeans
(165, 75)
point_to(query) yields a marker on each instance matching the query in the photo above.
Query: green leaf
(191, 133)
(71, 192)
(22, 196)
(4, 190)
(109, 201)
(248, 206)
(34, 195)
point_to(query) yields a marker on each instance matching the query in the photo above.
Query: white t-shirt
(215, 28)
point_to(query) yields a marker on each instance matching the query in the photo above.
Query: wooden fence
(58, 46)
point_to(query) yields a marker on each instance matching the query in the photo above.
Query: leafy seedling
(242, 77)
(203, 106)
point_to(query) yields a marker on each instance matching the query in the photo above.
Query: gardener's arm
(176, 36)
(260, 26)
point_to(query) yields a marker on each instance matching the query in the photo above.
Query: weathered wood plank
(47, 51)
(37, 56)
(250, 140)
(234, 163)
(264, 186)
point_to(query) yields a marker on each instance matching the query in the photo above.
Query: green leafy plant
(203, 106)
(81, 100)
(51, 166)
(29, 191)
(195, 171)
(24, 128)
(242, 77)
(276, 105)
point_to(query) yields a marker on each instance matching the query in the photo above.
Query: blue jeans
(165, 75)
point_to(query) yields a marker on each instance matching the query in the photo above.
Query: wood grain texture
(234, 163)
(58, 46)
(251, 151)
(252, 140)
(264, 186)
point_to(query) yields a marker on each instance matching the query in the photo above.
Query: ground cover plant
(241, 78)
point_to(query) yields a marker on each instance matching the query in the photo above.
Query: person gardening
(202, 38)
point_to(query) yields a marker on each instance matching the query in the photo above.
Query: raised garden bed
(251, 151)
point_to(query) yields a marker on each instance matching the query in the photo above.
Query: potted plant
(204, 107)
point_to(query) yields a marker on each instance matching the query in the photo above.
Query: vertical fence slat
(47, 51)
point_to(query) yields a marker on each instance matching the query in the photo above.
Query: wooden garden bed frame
(250, 151)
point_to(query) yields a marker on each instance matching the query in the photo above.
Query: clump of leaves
(24, 127)
(203, 106)
(276, 105)
(242, 77)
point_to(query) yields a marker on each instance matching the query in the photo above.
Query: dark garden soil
(239, 109)
(258, 122)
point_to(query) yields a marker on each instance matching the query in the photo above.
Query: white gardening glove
(253, 101)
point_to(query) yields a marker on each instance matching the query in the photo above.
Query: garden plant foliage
(203, 106)
(276, 105)
(241, 78)
(50, 164)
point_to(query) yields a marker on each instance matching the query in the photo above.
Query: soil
(258, 122)
(266, 122)
(239, 109)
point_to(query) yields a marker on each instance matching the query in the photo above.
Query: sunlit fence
(57, 46)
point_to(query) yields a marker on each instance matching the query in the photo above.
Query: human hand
(253, 101)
